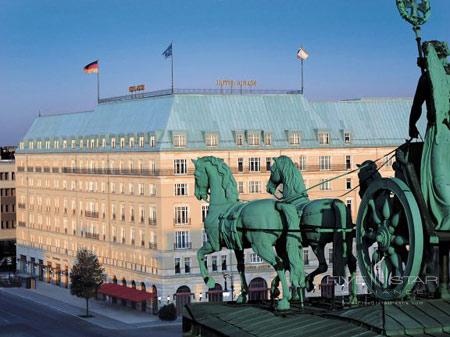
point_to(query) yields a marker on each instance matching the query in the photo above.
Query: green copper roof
(371, 122)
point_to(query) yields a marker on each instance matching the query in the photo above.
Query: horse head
(214, 178)
(274, 179)
(201, 180)
(283, 171)
(368, 172)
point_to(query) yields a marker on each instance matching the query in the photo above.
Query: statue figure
(236, 225)
(434, 89)
(321, 221)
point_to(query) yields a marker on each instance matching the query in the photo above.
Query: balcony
(21, 224)
(95, 236)
(21, 205)
(20, 169)
(152, 245)
(152, 222)
(182, 245)
(91, 214)
(181, 222)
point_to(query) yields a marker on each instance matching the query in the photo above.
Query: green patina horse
(236, 225)
(322, 221)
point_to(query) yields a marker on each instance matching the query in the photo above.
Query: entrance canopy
(124, 293)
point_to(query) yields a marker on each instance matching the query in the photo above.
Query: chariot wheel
(389, 239)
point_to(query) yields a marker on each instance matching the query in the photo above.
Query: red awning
(124, 293)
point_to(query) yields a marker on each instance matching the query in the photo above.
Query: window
(348, 184)
(181, 215)
(211, 139)
(347, 137)
(239, 139)
(325, 185)
(224, 262)
(214, 263)
(177, 265)
(254, 164)
(294, 138)
(152, 141)
(268, 163)
(205, 239)
(253, 138)
(240, 164)
(141, 189)
(122, 143)
(267, 138)
(254, 187)
(324, 138)
(187, 265)
(254, 258)
(349, 203)
(348, 162)
(305, 257)
(330, 255)
(204, 212)
(182, 240)
(152, 189)
(302, 163)
(131, 142)
(103, 142)
(180, 166)
(240, 186)
(152, 215)
(324, 163)
(113, 143)
(179, 140)
(181, 189)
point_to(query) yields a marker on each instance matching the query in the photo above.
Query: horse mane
(228, 181)
(291, 177)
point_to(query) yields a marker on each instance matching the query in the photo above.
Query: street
(23, 318)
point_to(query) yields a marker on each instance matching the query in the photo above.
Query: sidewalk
(109, 316)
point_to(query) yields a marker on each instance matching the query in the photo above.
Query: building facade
(119, 179)
(7, 209)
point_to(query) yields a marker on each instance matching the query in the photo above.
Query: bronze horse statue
(237, 225)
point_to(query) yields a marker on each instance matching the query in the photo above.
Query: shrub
(168, 312)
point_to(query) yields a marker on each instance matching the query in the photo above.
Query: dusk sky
(357, 48)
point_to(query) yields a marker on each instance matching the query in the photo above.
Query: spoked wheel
(389, 238)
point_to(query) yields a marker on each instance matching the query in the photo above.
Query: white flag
(302, 54)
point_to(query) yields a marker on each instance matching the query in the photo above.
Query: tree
(86, 276)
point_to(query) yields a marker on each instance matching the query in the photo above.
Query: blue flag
(168, 52)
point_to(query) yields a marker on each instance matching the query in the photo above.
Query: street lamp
(200, 296)
(168, 299)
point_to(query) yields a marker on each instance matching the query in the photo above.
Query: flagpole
(172, 65)
(302, 76)
(98, 82)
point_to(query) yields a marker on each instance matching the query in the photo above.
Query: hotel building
(119, 179)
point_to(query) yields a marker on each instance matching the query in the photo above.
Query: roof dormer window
(253, 138)
(324, 138)
(294, 138)
(179, 140)
(347, 137)
(211, 139)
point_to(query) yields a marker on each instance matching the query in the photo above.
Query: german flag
(91, 68)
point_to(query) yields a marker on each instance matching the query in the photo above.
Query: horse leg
(242, 298)
(274, 291)
(265, 251)
(206, 249)
(318, 250)
(351, 263)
